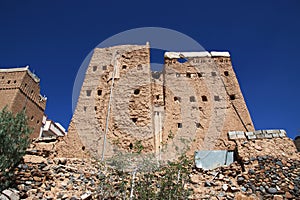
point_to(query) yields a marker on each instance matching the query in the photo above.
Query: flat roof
(197, 54)
(22, 69)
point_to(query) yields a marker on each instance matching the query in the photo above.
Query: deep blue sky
(53, 37)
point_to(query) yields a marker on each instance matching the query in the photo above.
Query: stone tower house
(190, 105)
(20, 89)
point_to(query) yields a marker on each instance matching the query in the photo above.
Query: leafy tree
(14, 134)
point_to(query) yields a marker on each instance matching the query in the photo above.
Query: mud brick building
(191, 104)
(20, 88)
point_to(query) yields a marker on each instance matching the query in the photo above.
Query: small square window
(136, 91)
(204, 98)
(213, 73)
(189, 75)
(232, 97)
(217, 98)
(99, 92)
(178, 99)
(124, 67)
(179, 125)
(198, 125)
(139, 67)
(226, 73)
(199, 75)
(192, 99)
(104, 67)
(94, 68)
(134, 120)
(88, 93)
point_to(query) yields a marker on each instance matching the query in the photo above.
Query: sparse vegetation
(14, 134)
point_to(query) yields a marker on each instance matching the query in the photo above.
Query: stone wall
(18, 90)
(188, 106)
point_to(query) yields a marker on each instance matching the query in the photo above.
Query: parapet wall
(274, 143)
(259, 134)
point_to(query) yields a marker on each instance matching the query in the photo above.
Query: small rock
(288, 195)
(12, 194)
(225, 187)
(272, 190)
(278, 197)
(262, 189)
(86, 196)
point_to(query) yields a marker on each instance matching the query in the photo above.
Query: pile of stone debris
(42, 175)
(261, 177)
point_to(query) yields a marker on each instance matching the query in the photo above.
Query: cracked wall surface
(190, 105)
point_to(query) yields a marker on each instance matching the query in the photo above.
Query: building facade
(20, 88)
(123, 105)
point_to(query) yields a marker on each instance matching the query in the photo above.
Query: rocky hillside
(264, 169)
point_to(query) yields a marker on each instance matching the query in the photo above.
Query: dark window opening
(177, 75)
(25, 85)
(94, 68)
(130, 146)
(217, 98)
(88, 93)
(2, 77)
(95, 108)
(204, 98)
(84, 108)
(139, 67)
(31, 91)
(198, 125)
(179, 125)
(134, 120)
(232, 97)
(188, 75)
(192, 99)
(136, 91)
(8, 82)
(213, 73)
(226, 73)
(38, 121)
(199, 74)
(32, 117)
(124, 67)
(99, 92)
(83, 148)
(177, 99)
(157, 97)
(15, 81)
(104, 67)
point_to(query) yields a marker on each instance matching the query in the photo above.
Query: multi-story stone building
(191, 104)
(20, 88)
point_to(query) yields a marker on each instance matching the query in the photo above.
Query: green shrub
(14, 139)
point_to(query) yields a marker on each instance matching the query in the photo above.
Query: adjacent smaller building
(20, 88)
(51, 128)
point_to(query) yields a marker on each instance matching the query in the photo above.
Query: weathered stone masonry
(190, 104)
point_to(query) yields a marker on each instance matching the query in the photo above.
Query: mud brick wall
(18, 90)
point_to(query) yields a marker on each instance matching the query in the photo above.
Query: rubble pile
(264, 177)
(262, 169)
